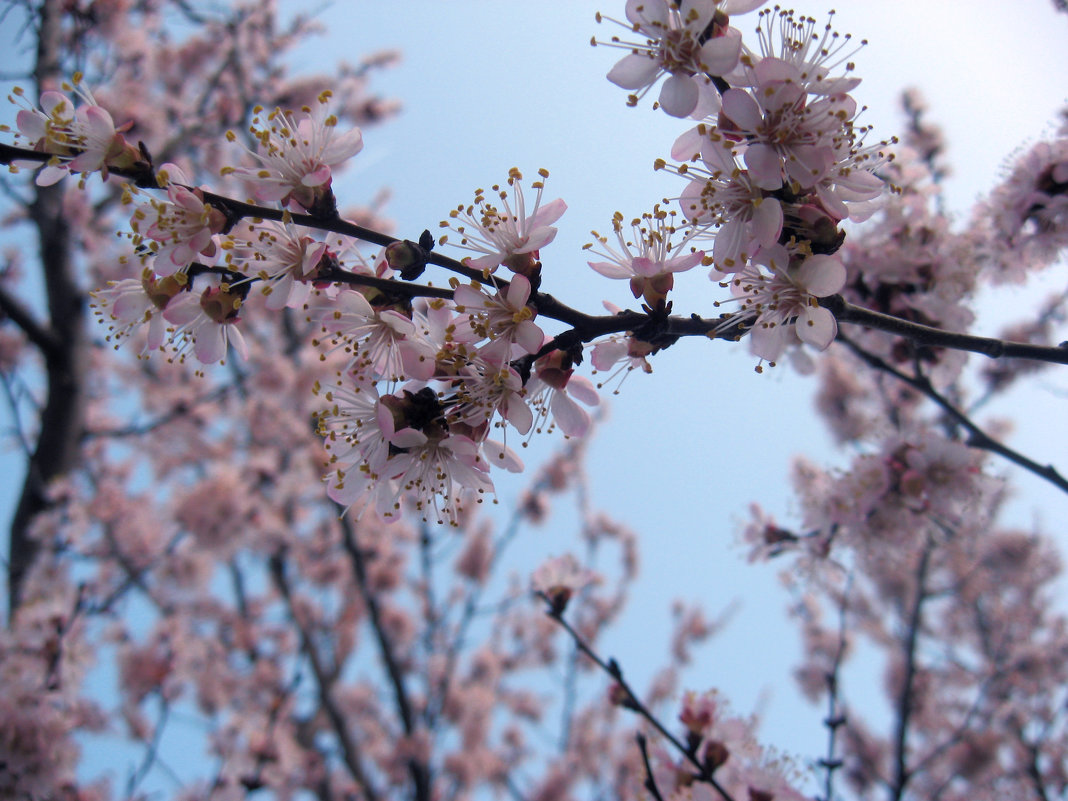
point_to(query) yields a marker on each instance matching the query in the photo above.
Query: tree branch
(419, 772)
(350, 752)
(633, 702)
(39, 335)
(977, 437)
(846, 312)
(57, 451)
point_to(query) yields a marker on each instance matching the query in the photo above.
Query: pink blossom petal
(742, 109)
(101, 126)
(610, 269)
(822, 275)
(678, 95)
(708, 101)
(720, 55)
(688, 146)
(31, 125)
(732, 7)
(210, 345)
(316, 177)
(489, 262)
(634, 71)
(691, 202)
(572, 418)
(537, 239)
(607, 353)
(500, 455)
(651, 13)
(767, 222)
(719, 155)
(765, 166)
(529, 336)
(51, 175)
(518, 414)
(237, 341)
(731, 240)
(768, 342)
(344, 147)
(408, 438)
(581, 388)
(548, 213)
(57, 104)
(699, 11)
(518, 292)
(817, 327)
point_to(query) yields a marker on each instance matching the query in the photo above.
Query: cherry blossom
(559, 578)
(179, 230)
(206, 321)
(785, 302)
(689, 42)
(554, 389)
(509, 235)
(651, 263)
(82, 139)
(506, 319)
(281, 255)
(298, 152)
(384, 341)
(133, 304)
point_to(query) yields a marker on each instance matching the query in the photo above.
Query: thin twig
(633, 702)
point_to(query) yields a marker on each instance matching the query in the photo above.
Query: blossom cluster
(78, 133)
(427, 383)
(775, 164)
(457, 369)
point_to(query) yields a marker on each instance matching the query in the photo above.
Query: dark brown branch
(418, 771)
(588, 327)
(324, 680)
(14, 310)
(633, 702)
(57, 451)
(846, 312)
(902, 773)
(977, 438)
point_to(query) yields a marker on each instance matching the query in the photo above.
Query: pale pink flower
(620, 349)
(352, 426)
(554, 388)
(180, 229)
(207, 322)
(283, 256)
(1027, 215)
(82, 139)
(298, 154)
(787, 138)
(559, 578)
(723, 196)
(648, 259)
(785, 303)
(433, 475)
(485, 388)
(386, 342)
(135, 304)
(509, 235)
(685, 41)
(505, 318)
(790, 47)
